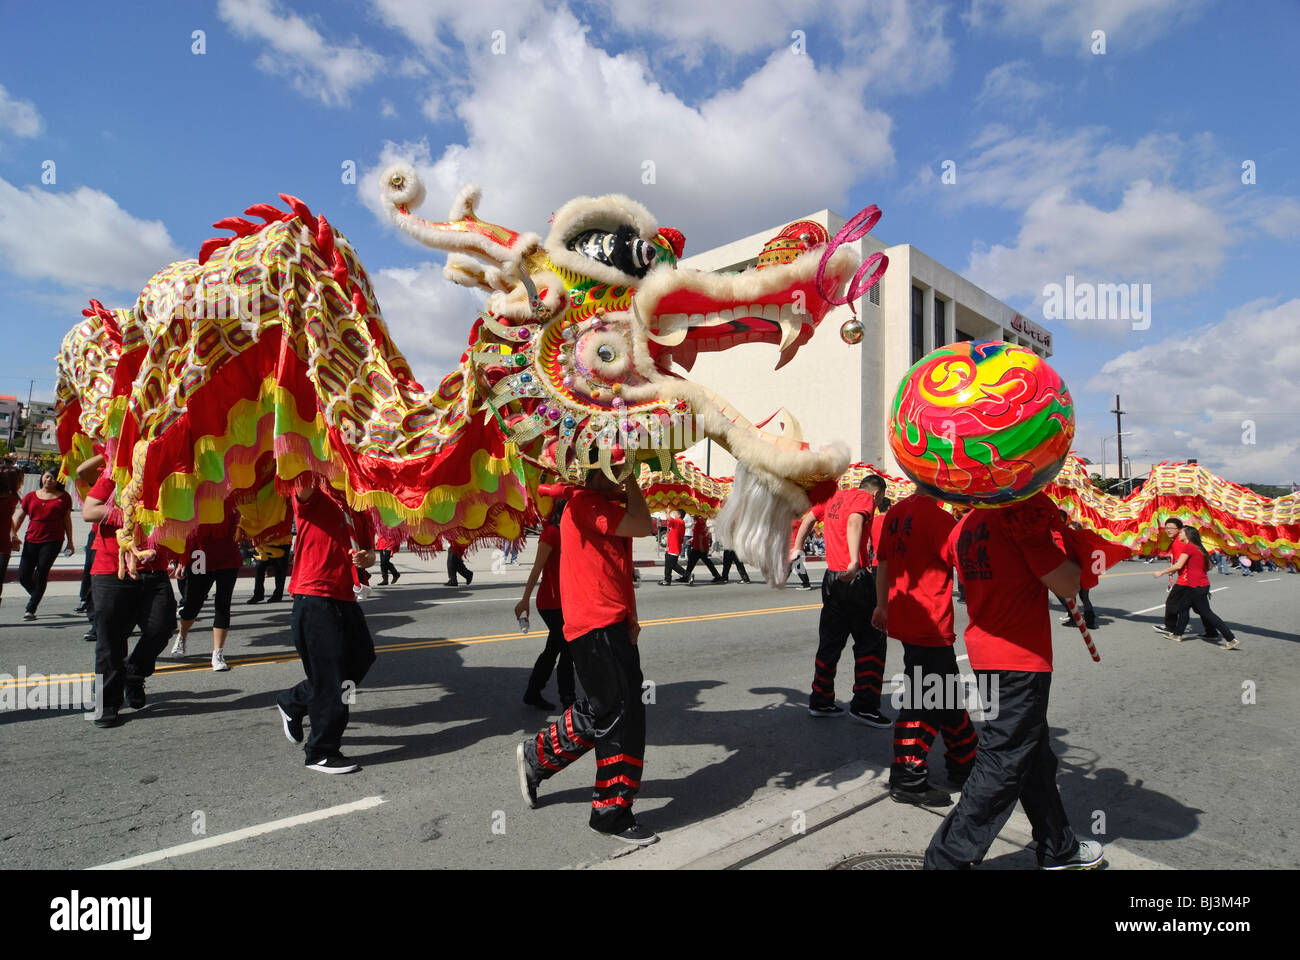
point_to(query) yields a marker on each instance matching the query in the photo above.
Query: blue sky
(1115, 167)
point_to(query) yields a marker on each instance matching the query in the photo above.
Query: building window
(963, 335)
(874, 295)
(940, 328)
(918, 324)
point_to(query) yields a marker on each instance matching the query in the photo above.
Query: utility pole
(30, 436)
(1119, 440)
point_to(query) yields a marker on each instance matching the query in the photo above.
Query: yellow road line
(402, 646)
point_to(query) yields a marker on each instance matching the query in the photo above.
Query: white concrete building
(842, 392)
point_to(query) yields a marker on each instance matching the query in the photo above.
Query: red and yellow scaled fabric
(228, 383)
(1229, 517)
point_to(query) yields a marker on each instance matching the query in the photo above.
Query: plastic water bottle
(523, 623)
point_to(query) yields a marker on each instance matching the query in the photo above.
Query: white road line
(964, 657)
(1161, 606)
(236, 835)
(1274, 580)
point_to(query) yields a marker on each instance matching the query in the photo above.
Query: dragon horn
(462, 232)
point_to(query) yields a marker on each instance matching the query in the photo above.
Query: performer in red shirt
(329, 629)
(914, 604)
(546, 565)
(144, 598)
(673, 549)
(49, 513)
(601, 627)
(1174, 598)
(387, 547)
(211, 557)
(848, 600)
(11, 480)
(1192, 568)
(1007, 560)
(699, 550)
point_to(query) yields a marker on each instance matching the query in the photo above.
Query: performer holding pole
(601, 627)
(914, 605)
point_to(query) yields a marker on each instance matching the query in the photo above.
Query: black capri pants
(197, 586)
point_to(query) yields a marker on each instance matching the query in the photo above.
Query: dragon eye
(622, 249)
(606, 353)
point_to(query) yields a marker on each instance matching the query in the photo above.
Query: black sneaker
(829, 710)
(469, 577)
(665, 583)
(538, 701)
(745, 580)
(1087, 855)
(275, 598)
(134, 692)
(255, 598)
(89, 637)
(335, 764)
(1067, 620)
(396, 577)
(527, 786)
(637, 835)
(79, 608)
(292, 727)
(108, 720)
(872, 718)
(452, 583)
(926, 796)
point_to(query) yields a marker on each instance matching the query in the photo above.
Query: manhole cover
(882, 861)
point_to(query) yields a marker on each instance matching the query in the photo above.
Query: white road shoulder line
(236, 835)
(1273, 580)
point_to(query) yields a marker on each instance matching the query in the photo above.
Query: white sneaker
(219, 661)
(178, 648)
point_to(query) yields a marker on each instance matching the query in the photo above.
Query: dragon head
(575, 351)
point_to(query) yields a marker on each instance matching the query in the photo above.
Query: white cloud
(19, 117)
(428, 317)
(1010, 83)
(1064, 24)
(560, 118)
(1207, 393)
(1173, 240)
(386, 109)
(81, 241)
(316, 67)
(434, 108)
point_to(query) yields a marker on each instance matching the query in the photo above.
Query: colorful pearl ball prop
(981, 422)
(851, 331)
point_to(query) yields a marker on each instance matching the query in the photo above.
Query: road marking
(1161, 606)
(405, 646)
(1274, 580)
(964, 657)
(235, 836)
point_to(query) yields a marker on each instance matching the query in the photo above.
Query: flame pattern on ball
(981, 422)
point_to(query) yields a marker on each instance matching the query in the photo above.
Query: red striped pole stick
(1083, 627)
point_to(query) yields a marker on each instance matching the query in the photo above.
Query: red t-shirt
(700, 535)
(676, 534)
(548, 594)
(217, 542)
(834, 515)
(595, 565)
(8, 504)
(105, 545)
(1193, 573)
(877, 524)
(1000, 553)
(913, 543)
(322, 564)
(45, 523)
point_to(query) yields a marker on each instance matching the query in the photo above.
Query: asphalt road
(1156, 739)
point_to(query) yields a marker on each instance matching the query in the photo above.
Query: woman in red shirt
(49, 514)
(1192, 566)
(211, 557)
(547, 566)
(11, 481)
